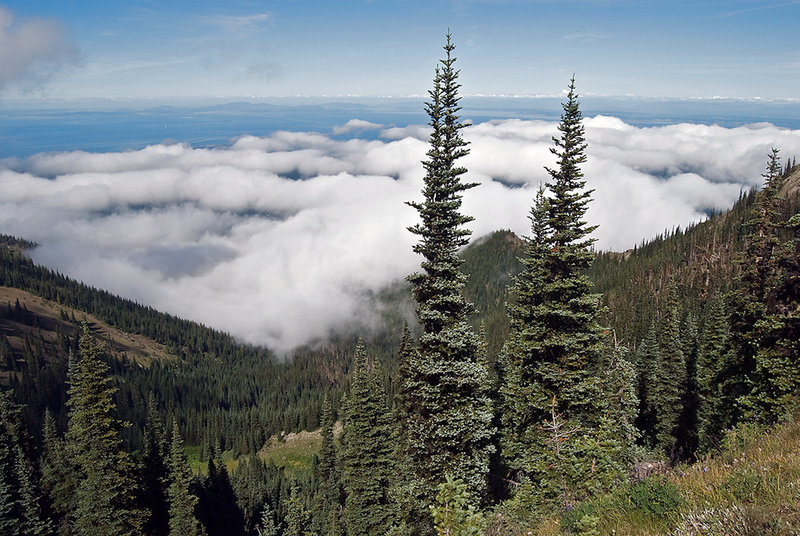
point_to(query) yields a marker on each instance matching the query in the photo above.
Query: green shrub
(743, 485)
(741, 437)
(587, 525)
(571, 519)
(656, 496)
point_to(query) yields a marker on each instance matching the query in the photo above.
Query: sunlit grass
(750, 487)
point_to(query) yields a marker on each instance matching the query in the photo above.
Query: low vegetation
(751, 487)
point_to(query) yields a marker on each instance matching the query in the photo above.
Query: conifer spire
(182, 502)
(446, 379)
(368, 466)
(556, 358)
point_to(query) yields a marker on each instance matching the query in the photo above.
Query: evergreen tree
(182, 503)
(368, 464)
(449, 430)
(8, 503)
(749, 307)
(104, 503)
(776, 380)
(648, 358)
(402, 409)
(454, 513)
(555, 426)
(408, 508)
(155, 471)
(688, 423)
(31, 519)
(59, 475)
(218, 511)
(519, 424)
(9, 434)
(20, 498)
(710, 364)
(668, 384)
(327, 511)
(298, 520)
(267, 526)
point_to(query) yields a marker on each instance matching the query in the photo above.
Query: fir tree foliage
(368, 467)
(9, 440)
(776, 378)
(31, 519)
(517, 387)
(556, 431)
(454, 514)
(449, 428)
(155, 470)
(217, 509)
(298, 518)
(327, 506)
(712, 356)
(267, 525)
(402, 490)
(59, 476)
(104, 502)
(668, 378)
(20, 497)
(182, 502)
(749, 300)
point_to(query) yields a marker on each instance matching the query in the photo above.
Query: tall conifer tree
(20, 497)
(298, 520)
(368, 453)
(776, 379)
(450, 429)
(402, 411)
(518, 424)
(327, 507)
(668, 383)
(59, 475)
(155, 471)
(710, 363)
(647, 360)
(182, 502)
(105, 494)
(555, 363)
(749, 306)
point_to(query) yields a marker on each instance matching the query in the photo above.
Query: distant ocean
(24, 132)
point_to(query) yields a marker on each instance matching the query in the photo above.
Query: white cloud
(420, 132)
(283, 239)
(31, 50)
(355, 124)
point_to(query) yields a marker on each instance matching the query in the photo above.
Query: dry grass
(751, 488)
(295, 451)
(135, 348)
(753, 485)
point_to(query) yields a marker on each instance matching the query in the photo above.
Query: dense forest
(540, 384)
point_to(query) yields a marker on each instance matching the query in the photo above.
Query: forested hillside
(211, 383)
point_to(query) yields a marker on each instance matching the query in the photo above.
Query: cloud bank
(31, 50)
(284, 239)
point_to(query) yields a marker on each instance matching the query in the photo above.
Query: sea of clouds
(284, 239)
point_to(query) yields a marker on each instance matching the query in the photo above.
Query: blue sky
(180, 49)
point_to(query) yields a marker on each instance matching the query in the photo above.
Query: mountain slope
(25, 316)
